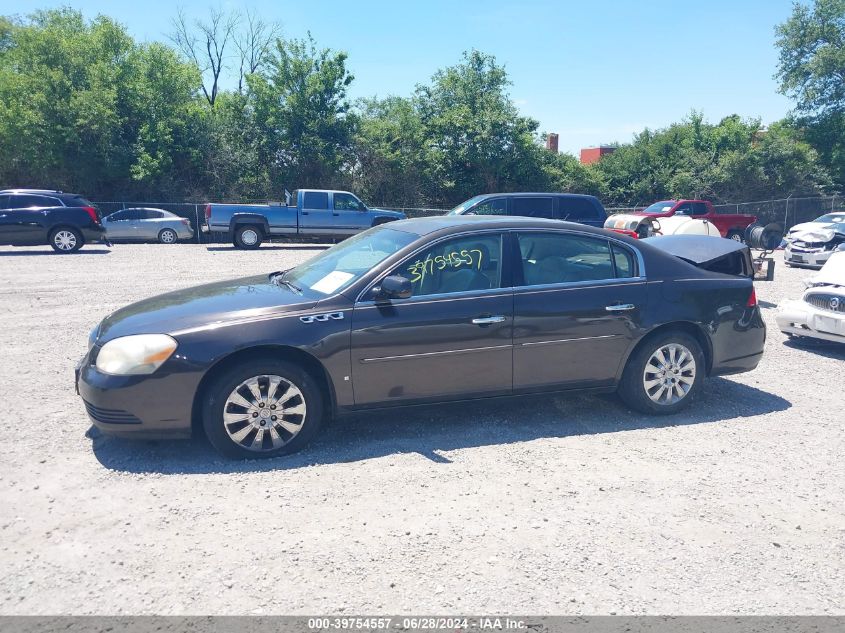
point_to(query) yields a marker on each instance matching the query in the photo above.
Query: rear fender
(239, 219)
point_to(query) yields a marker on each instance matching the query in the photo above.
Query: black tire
(167, 236)
(632, 388)
(248, 236)
(221, 389)
(737, 236)
(66, 239)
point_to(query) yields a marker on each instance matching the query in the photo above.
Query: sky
(594, 71)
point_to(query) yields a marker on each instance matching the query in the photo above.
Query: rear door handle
(620, 307)
(488, 320)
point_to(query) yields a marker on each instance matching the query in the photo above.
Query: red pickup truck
(730, 225)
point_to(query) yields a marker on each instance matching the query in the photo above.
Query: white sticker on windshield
(666, 209)
(332, 281)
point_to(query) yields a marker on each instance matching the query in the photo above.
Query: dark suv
(555, 206)
(65, 221)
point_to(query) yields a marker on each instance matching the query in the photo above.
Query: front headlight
(134, 355)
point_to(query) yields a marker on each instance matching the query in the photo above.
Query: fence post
(197, 216)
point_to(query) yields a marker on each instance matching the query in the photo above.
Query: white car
(821, 222)
(821, 312)
(811, 244)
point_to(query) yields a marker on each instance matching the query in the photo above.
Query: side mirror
(395, 287)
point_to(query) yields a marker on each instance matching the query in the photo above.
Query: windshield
(458, 210)
(833, 218)
(336, 268)
(663, 206)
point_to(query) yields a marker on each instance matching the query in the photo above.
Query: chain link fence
(194, 212)
(786, 211)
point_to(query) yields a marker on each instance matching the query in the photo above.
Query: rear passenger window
(553, 258)
(699, 208)
(496, 206)
(4, 202)
(315, 200)
(533, 207)
(25, 202)
(623, 259)
(575, 209)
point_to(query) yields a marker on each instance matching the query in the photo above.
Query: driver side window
(458, 265)
(347, 202)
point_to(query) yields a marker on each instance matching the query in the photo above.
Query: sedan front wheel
(260, 409)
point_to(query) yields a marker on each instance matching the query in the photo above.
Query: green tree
(389, 142)
(88, 109)
(475, 140)
(811, 71)
(302, 122)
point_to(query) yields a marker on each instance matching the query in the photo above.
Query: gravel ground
(555, 505)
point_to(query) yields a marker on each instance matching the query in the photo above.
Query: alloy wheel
(64, 240)
(669, 374)
(167, 236)
(264, 413)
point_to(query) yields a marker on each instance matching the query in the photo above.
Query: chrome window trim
(574, 285)
(640, 278)
(442, 296)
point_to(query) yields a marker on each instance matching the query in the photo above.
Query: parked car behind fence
(147, 224)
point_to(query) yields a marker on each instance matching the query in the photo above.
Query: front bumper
(801, 319)
(810, 257)
(155, 406)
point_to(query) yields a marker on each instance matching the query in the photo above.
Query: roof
(455, 223)
(514, 194)
(31, 191)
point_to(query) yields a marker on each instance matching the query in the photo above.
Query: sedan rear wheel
(262, 409)
(663, 374)
(167, 236)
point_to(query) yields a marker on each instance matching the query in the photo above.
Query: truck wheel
(248, 236)
(736, 236)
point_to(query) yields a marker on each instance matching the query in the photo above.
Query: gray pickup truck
(309, 214)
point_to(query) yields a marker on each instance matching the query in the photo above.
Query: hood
(810, 226)
(392, 214)
(820, 235)
(832, 273)
(200, 306)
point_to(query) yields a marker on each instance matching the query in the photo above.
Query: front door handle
(488, 320)
(620, 307)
